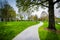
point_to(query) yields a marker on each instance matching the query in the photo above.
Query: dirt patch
(56, 31)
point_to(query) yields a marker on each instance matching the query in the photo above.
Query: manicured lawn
(45, 34)
(11, 29)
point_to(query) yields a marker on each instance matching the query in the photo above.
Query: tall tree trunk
(51, 16)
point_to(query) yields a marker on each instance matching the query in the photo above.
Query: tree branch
(41, 3)
(56, 1)
(44, 1)
(45, 5)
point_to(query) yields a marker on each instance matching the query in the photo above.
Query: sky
(13, 4)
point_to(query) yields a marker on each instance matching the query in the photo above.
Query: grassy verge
(48, 34)
(11, 29)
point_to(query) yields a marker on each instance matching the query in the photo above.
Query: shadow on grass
(52, 36)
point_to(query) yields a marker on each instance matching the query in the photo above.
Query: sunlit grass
(10, 29)
(45, 34)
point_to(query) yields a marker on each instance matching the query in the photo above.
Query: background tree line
(7, 13)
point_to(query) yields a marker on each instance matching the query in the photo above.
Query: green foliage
(8, 12)
(35, 17)
(21, 17)
(57, 20)
(22, 5)
(11, 29)
(26, 5)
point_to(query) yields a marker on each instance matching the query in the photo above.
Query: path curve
(30, 33)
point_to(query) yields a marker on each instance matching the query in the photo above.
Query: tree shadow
(52, 36)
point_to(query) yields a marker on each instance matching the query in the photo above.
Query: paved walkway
(30, 33)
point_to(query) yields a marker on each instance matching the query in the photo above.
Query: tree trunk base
(52, 28)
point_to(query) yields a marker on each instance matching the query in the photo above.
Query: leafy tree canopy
(29, 4)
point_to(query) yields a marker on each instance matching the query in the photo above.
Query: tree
(7, 12)
(35, 18)
(21, 17)
(11, 14)
(1, 9)
(31, 17)
(26, 4)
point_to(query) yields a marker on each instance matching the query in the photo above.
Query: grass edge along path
(48, 34)
(11, 29)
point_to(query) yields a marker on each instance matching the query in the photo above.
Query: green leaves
(24, 5)
(7, 11)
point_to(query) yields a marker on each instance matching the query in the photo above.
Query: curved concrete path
(30, 33)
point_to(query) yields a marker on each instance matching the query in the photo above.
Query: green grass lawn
(45, 34)
(11, 29)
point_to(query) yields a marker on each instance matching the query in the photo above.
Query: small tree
(36, 18)
(21, 17)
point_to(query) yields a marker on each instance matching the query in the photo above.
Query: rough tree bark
(51, 16)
